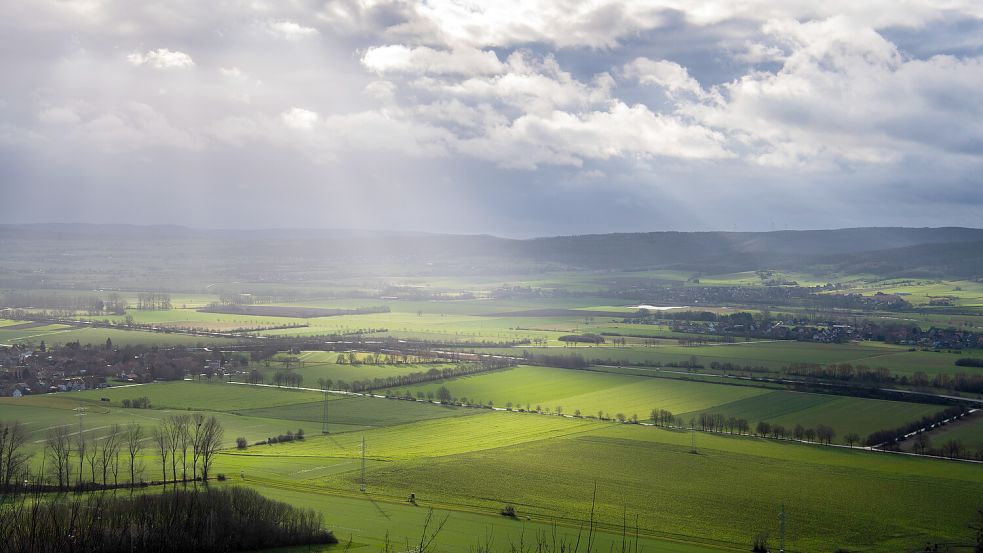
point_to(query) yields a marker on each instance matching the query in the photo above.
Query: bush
(220, 477)
(241, 443)
(508, 511)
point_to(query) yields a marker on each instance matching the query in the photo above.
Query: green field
(968, 431)
(547, 466)
(361, 411)
(587, 391)
(773, 355)
(213, 396)
(313, 365)
(843, 414)
(590, 392)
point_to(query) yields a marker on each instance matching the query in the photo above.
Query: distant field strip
(589, 391)
(843, 414)
(435, 438)
(361, 411)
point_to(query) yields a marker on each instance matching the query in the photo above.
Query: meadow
(546, 389)
(547, 467)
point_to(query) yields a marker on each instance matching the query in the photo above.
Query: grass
(370, 520)
(213, 396)
(546, 467)
(313, 365)
(590, 392)
(432, 438)
(359, 411)
(769, 354)
(969, 431)
(43, 413)
(843, 414)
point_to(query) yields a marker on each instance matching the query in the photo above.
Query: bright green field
(434, 438)
(588, 391)
(547, 466)
(843, 414)
(591, 391)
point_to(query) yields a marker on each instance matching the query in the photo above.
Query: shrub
(508, 511)
(241, 443)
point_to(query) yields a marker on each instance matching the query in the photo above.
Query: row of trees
(176, 441)
(153, 300)
(208, 521)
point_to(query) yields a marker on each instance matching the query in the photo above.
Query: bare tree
(134, 445)
(59, 451)
(92, 456)
(173, 429)
(162, 441)
(197, 436)
(182, 428)
(13, 459)
(211, 443)
(109, 460)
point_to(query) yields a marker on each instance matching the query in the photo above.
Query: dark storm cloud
(517, 119)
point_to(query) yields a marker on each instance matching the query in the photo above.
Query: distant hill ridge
(945, 251)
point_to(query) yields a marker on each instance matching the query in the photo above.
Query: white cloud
(562, 138)
(290, 30)
(669, 75)
(846, 94)
(161, 58)
(397, 58)
(299, 118)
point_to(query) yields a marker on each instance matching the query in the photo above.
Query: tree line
(180, 442)
(210, 521)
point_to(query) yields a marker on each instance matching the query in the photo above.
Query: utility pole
(362, 484)
(781, 530)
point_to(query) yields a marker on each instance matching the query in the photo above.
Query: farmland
(657, 477)
(518, 430)
(546, 389)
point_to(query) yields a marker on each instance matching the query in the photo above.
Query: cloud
(290, 30)
(397, 58)
(562, 138)
(161, 58)
(655, 103)
(669, 75)
(299, 118)
(845, 94)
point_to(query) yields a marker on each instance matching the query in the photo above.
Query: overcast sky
(511, 118)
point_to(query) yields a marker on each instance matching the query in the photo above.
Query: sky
(513, 118)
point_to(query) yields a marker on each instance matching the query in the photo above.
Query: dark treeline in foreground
(207, 520)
